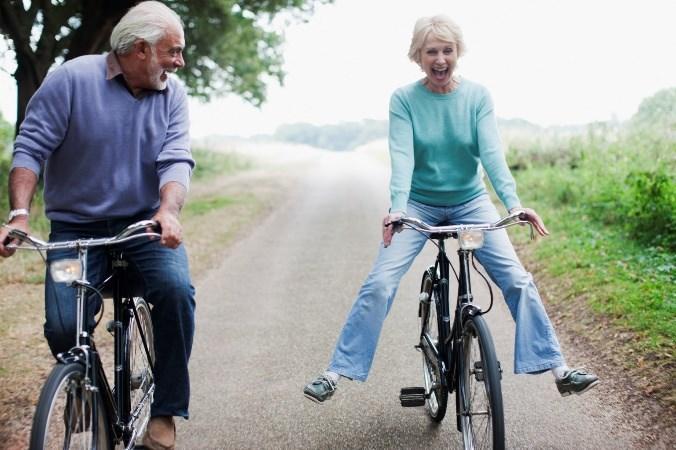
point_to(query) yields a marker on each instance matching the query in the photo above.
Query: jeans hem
(539, 368)
(346, 374)
(165, 413)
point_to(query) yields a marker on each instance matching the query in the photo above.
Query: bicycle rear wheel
(140, 367)
(436, 393)
(481, 415)
(67, 411)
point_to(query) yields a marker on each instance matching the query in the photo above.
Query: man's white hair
(148, 21)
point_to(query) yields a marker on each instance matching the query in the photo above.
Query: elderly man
(111, 133)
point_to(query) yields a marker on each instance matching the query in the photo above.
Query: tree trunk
(28, 79)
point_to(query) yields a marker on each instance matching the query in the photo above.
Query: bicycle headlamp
(66, 270)
(471, 239)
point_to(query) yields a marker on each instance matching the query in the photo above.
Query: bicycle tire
(140, 369)
(66, 412)
(480, 414)
(437, 400)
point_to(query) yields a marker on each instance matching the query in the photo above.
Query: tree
(657, 112)
(230, 45)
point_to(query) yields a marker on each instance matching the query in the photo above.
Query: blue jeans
(536, 348)
(165, 277)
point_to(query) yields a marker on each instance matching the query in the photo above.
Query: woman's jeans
(536, 348)
(164, 274)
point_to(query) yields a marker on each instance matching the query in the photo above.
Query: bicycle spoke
(436, 392)
(481, 404)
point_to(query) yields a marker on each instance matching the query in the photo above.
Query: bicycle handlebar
(418, 225)
(128, 234)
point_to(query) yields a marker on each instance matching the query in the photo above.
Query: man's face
(166, 57)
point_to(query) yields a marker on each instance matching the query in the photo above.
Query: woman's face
(438, 60)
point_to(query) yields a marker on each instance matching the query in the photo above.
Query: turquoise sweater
(438, 143)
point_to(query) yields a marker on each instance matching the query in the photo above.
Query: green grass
(631, 283)
(201, 206)
(210, 164)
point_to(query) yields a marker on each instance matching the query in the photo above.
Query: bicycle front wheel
(436, 392)
(69, 414)
(140, 366)
(481, 415)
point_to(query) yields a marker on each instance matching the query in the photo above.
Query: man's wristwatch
(17, 212)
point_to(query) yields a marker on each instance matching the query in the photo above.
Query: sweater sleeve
(46, 122)
(175, 162)
(401, 153)
(491, 154)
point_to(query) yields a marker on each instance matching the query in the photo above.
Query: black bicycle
(459, 357)
(77, 408)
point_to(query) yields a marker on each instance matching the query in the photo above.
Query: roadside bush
(620, 177)
(651, 207)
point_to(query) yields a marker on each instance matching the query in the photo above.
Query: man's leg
(169, 290)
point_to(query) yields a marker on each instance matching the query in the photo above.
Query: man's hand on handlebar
(20, 223)
(172, 232)
(389, 228)
(533, 218)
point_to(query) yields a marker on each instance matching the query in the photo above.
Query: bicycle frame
(448, 352)
(117, 402)
(449, 336)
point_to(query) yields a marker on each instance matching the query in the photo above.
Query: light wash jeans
(536, 348)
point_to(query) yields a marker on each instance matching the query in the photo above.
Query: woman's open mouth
(440, 74)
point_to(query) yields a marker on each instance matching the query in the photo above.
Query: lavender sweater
(105, 153)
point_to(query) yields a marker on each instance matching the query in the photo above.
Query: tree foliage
(5, 134)
(231, 45)
(658, 110)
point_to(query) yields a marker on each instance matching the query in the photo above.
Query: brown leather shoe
(160, 434)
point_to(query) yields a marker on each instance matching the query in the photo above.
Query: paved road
(269, 316)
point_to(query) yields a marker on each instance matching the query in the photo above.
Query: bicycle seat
(135, 288)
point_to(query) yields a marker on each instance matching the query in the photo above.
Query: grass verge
(617, 293)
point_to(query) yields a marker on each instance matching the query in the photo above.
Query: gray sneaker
(576, 381)
(322, 388)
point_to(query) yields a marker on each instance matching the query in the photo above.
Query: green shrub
(651, 207)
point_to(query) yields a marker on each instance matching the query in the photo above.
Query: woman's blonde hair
(439, 27)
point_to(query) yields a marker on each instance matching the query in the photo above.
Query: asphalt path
(269, 315)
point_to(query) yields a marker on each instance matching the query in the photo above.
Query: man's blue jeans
(536, 347)
(167, 287)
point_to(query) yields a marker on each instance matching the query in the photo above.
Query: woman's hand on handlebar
(533, 218)
(389, 228)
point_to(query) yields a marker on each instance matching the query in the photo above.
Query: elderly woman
(442, 130)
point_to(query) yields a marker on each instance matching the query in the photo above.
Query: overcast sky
(547, 61)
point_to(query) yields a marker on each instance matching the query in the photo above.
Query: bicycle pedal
(412, 396)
